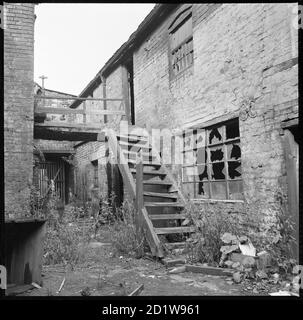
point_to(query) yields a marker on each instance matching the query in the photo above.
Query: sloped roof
(147, 26)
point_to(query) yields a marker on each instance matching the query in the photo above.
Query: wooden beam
(126, 93)
(42, 110)
(139, 191)
(78, 98)
(103, 80)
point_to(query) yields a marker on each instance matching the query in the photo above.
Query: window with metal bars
(181, 42)
(212, 162)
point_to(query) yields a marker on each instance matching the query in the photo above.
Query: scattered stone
(261, 274)
(243, 239)
(228, 263)
(237, 277)
(255, 290)
(172, 262)
(178, 269)
(229, 249)
(264, 260)
(227, 238)
(248, 262)
(243, 259)
(214, 271)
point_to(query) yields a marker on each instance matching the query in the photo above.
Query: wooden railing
(84, 111)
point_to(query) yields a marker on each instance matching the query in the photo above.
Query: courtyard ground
(105, 272)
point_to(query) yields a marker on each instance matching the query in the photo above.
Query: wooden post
(84, 111)
(126, 93)
(139, 190)
(103, 80)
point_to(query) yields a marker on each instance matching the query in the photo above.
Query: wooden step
(131, 138)
(174, 230)
(152, 173)
(135, 145)
(164, 204)
(175, 245)
(160, 195)
(172, 216)
(133, 155)
(153, 182)
(145, 163)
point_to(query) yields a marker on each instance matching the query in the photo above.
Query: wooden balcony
(71, 128)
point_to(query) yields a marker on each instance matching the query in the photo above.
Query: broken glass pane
(217, 171)
(216, 154)
(202, 189)
(188, 141)
(236, 190)
(202, 172)
(189, 174)
(218, 190)
(234, 169)
(232, 129)
(201, 155)
(200, 138)
(215, 135)
(189, 158)
(233, 151)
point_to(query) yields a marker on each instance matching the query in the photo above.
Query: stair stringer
(151, 237)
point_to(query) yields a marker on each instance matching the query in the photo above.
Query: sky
(74, 41)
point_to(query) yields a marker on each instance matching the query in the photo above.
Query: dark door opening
(130, 78)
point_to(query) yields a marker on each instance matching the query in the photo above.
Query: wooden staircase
(158, 199)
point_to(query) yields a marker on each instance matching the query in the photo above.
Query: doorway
(291, 153)
(130, 89)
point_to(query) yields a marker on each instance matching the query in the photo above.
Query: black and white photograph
(150, 149)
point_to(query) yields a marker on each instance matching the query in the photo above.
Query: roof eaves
(159, 11)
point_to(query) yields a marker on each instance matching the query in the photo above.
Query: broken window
(212, 162)
(181, 41)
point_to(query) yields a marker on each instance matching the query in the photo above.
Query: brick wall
(88, 152)
(19, 21)
(239, 50)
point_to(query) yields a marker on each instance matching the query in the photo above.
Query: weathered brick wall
(19, 21)
(91, 151)
(239, 50)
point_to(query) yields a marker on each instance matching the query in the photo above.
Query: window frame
(208, 163)
(182, 15)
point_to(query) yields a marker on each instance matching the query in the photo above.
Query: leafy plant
(205, 244)
(126, 237)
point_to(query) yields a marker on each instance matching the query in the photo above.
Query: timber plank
(171, 216)
(160, 195)
(174, 230)
(164, 204)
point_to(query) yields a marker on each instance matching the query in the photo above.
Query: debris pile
(253, 269)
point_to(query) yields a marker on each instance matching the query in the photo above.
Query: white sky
(74, 41)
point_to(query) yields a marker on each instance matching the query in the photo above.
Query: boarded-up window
(212, 162)
(181, 42)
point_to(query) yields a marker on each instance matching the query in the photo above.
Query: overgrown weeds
(126, 238)
(65, 241)
(205, 244)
